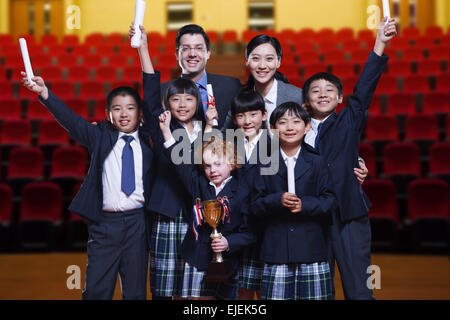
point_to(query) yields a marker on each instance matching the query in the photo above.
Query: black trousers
(117, 245)
(350, 245)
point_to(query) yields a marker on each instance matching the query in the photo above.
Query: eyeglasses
(197, 49)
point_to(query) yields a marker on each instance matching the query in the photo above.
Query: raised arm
(78, 128)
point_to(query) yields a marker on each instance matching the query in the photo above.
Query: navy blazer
(169, 193)
(99, 140)
(225, 89)
(294, 237)
(339, 137)
(198, 252)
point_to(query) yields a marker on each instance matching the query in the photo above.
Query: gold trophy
(219, 270)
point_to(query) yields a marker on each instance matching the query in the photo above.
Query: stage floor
(44, 276)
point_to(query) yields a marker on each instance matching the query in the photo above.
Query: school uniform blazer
(286, 92)
(339, 138)
(224, 88)
(169, 193)
(198, 252)
(99, 140)
(294, 237)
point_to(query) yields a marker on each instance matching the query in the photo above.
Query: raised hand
(164, 124)
(387, 30)
(211, 114)
(132, 32)
(37, 87)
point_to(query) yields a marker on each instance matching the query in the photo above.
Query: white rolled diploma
(139, 12)
(26, 59)
(209, 90)
(291, 175)
(386, 9)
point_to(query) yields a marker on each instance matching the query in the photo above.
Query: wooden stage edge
(46, 277)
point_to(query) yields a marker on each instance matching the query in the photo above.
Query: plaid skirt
(251, 269)
(193, 286)
(166, 263)
(296, 282)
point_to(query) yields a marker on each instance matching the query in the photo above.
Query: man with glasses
(192, 53)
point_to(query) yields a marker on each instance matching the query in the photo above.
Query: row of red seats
(399, 158)
(28, 163)
(427, 198)
(403, 158)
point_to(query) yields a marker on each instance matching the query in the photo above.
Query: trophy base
(219, 272)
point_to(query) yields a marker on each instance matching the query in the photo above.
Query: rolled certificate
(386, 9)
(211, 100)
(139, 12)
(291, 175)
(26, 59)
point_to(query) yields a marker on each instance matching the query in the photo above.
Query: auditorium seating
(410, 108)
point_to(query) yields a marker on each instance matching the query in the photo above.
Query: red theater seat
(429, 67)
(343, 69)
(115, 38)
(79, 105)
(70, 40)
(401, 158)
(63, 89)
(383, 196)
(106, 73)
(443, 83)
(6, 90)
(26, 163)
(387, 85)
(381, 128)
(401, 103)
(68, 162)
(15, 133)
(436, 102)
(41, 201)
(37, 111)
(117, 61)
(421, 127)
(410, 32)
(399, 68)
(10, 109)
(416, 84)
(51, 73)
(95, 38)
(79, 74)
(440, 159)
(6, 204)
(92, 90)
(367, 152)
(51, 133)
(434, 32)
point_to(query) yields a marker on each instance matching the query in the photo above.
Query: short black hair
(183, 85)
(292, 108)
(123, 91)
(322, 76)
(247, 100)
(191, 29)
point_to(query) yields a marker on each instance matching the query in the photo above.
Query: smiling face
(250, 122)
(124, 113)
(192, 54)
(291, 129)
(323, 99)
(263, 63)
(183, 106)
(216, 167)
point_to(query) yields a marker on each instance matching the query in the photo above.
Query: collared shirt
(310, 137)
(220, 188)
(285, 157)
(270, 100)
(201, 85)
(192, 136)
(250, 145)
(114, 199)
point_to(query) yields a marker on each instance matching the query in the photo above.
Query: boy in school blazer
(336, 137)
(113, 205)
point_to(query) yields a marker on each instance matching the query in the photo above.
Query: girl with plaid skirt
(170, 200)
(249, 116)
(214, 179)
(296, 214)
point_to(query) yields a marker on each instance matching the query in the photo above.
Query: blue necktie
(316, 142)
(204, 95)
(128, 177)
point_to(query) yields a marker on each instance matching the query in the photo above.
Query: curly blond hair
(220, 147)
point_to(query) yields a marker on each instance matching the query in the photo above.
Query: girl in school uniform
(249, 116)
(170, 201)
(214, 179)
(293, 242)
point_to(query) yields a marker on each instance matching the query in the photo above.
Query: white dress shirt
(114, 199)
(250, 145)
(220, 188)
(192, 136)
(270, 101)
(295, 157)
(310, 137)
